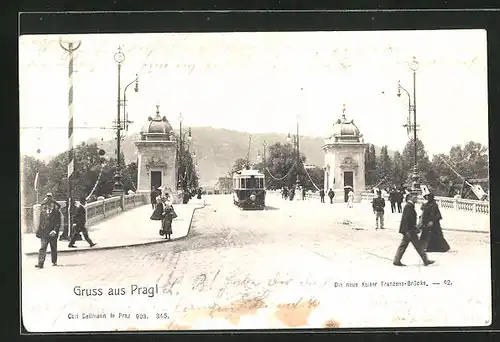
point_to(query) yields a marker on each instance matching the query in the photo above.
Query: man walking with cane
(408, 228)
(50, 223)
(80, 221)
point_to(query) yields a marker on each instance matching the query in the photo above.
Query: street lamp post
(118, 186)
(136, 89)
(414, 67)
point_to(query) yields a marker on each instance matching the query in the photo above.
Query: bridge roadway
(278, 268)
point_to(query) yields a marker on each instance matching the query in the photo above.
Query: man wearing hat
(49, 197)
(378, 206)
(50, 223)
(408, 228)
(80, 220)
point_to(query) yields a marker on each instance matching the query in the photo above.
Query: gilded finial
(343, 111)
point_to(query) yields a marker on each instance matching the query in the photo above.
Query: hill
(217, 149)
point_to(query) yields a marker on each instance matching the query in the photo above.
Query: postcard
(254, 180)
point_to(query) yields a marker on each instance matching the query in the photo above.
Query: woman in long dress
(166, 223)
(350, 198)
(432, 236)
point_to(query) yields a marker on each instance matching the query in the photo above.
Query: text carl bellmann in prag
(134, 289)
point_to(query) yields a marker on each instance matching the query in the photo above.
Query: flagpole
(71, 161)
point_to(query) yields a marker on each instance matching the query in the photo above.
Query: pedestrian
(350, 199)
(49, 197)
(408, 228)
(292, 194)
(331, 194)
(80, 219)
(65, 234)
(185, 197)
(285, 193)
(393, 200)
(48, 229)
(432, 238)
(378, 205)
(199, 194)
(303, 194)
(154, 194)
(167, 216)
(399, 200)
(322, 195)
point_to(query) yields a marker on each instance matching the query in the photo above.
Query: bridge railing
(95, 211)
(99, 210)
(460, 204)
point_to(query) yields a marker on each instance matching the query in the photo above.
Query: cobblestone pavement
(296, 264)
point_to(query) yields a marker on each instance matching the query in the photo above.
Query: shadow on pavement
(268, 207)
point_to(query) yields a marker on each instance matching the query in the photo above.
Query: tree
(470, 162)
(317, 176)
(30, 166)
(424, 166)
(86, 171)
(187, 170)
(385, 167)
(398, 176)
(239, 164)
(370, 164)
(129, 175)
(281, 168)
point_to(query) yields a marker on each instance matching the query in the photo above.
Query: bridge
(116, 221)
(292, 250)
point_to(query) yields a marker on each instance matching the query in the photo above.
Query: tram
(249, 190)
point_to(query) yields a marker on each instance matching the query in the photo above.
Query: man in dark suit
(392, 198)
(50, 223)
(322, 195)
(378, 206)
(331, 194)
(80, 219)
(399, 199)
(408, 228)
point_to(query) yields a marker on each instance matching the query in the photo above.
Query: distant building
(224, 185)
(157, 156)
(344, 160)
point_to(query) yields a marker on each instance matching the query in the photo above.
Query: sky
(260, 82)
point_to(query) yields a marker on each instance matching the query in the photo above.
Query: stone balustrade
(96, 211)
(99, 210)
(447, 203)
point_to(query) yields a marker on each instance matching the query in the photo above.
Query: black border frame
(215, 20)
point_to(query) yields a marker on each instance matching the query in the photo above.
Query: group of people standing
(396, 197)
(289, 194)
(163, 211)
(331, 195)
(187, 195)
(50, 225)
(428, 225)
